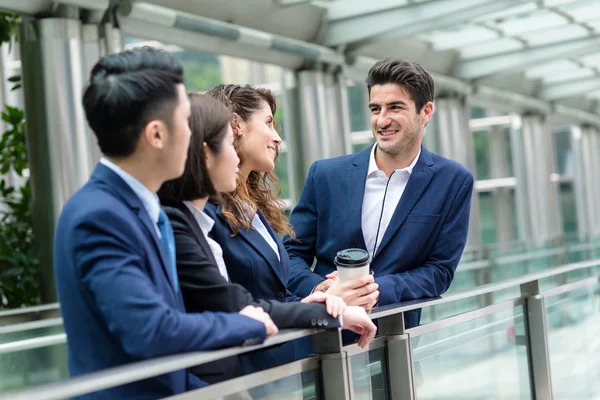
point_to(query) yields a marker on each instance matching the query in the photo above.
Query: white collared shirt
(373, 207)
(206, 224)
(264, 232)
(148, 199)
(262, 229)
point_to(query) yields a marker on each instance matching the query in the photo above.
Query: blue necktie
(168, 242)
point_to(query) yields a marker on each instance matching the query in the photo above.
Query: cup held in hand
(352, 263)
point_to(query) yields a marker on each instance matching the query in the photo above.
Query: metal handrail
(29, 310)
(31, 325)
(163, 365)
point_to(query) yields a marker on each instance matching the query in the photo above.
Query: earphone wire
(381, 215)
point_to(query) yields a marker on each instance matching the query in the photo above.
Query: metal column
(336, 381)
(57, 139)
(533, 155)
(498, 147)
(399, 358)
(323, 128)
(454, 140)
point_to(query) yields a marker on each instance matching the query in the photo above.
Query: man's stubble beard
(406, 142)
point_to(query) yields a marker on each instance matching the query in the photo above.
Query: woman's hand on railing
(335, 305)
(357, 320)
(259, 314)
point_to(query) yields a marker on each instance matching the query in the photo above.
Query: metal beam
(35, 7)
(570, 88)
(522, 59)
(430, 23)
(342, 9)
(253, 39)
(424, 15)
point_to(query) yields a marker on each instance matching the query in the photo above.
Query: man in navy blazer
(408, 207)
(114, 255)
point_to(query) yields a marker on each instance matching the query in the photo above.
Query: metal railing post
(536, 334)
(398, 357)
(336, 376)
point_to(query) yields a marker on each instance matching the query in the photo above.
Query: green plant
(19, 264)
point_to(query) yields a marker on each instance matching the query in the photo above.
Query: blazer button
(280, 296)
(313, 322)
(320, 322)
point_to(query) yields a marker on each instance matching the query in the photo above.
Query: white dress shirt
(373, 207)
(262, 229)
(149, 199)
(206, 224)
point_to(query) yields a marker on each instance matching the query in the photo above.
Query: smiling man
(408, 207)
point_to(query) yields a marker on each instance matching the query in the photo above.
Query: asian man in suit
(408, 207)
(114, 255)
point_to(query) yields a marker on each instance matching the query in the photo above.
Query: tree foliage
(19, 263)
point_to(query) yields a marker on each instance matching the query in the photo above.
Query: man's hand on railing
(357, 320)
(335, 305)
(259, 314)
(356, 292)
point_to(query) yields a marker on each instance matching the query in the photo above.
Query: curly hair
(261, 190)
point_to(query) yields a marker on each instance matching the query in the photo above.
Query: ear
(155, 134)
(208, 155)
(426, 112)
(238, 125)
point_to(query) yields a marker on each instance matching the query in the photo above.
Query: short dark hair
(409, 75)
(209, 121)
(128, 90)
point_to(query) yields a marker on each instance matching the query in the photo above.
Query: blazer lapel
(197, 231)
(284, 261)
(417, 183)
(356, 177)
(260, 245)
(120, 188)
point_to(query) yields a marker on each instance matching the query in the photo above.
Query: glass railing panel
(369, 376)
(573, 321)
(26, 368)
(7, 334)
(478, 359)
(302, 386)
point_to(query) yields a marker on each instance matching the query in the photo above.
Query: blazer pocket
(422, 218)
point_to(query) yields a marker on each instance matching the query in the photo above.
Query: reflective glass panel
(479, 359)
(369, 376)
(573, 321)
(296, 387)
(22, 369)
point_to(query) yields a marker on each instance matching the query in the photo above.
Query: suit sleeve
(299, 315)
(202, 285)
(433, 278)
(110, 261)
(302, 249)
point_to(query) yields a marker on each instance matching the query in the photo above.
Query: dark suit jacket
(250, 261)
(117, 299)
(422, 245)
(205, 289)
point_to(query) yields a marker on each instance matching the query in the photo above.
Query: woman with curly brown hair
(249, 220)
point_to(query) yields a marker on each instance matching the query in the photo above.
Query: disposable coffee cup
(352, 263)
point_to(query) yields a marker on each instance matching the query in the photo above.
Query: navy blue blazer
(117, 299)
(252, 263)
(422, 245)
